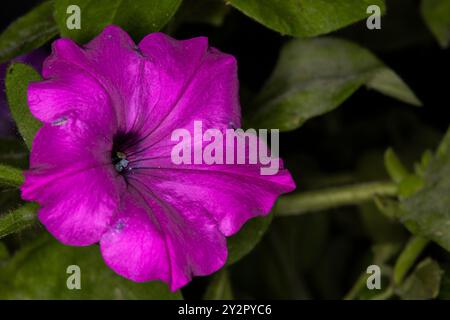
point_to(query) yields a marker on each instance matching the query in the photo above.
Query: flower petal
(51, 99)
(72, 178)
(78, 208)
(153, 240)
(195, 83)
(231, 194)
(106, 73)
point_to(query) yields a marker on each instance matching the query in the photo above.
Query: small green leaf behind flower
(240, 244)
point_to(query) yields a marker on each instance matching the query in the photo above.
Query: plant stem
(357, 287)
(310, 201)
(407, 258)
(18, 219)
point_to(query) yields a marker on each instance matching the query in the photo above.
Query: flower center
(123, 152)
(119, 160)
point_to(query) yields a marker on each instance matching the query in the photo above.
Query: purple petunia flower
(100, 166)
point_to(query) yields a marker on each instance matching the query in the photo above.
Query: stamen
(120, 161)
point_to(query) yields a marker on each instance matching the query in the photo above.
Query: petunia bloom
(100, 166)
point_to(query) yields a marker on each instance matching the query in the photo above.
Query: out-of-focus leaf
(394, 166)
(427, 211)
(400, 29)
(17, 78)
(219, 287)
(389, 83)
(314, 76)
(247, 238)
(39, 271)
(421, 166)
(17, 220)
(423, 283)
(389, 207)
(436, 14)
(410, 185)
(211, 12)
(306, 18)
(138, 17)
(28, 32)
(405, 261)
(10, 176)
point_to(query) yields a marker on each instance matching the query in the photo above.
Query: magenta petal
(195, 83)
(71, 142)
(231, 194)
(106, 73)
(134, 245)
(75, 92)
(77, 209)
(151, 240)
(72, 179)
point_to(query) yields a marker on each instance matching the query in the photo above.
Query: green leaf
(220, 287)
(137, 17)
(427, 211)
(315, 76)
(389, 83)
(29, 32)
(211, 12)
(17, 78)
(306, 18)
(420, 167)
(410, 185)
(39, 271)
(436, 14)
(394, 166)
(17, 220)
(423, 283)
(247, 238)
(10, 176)
(387, 206)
